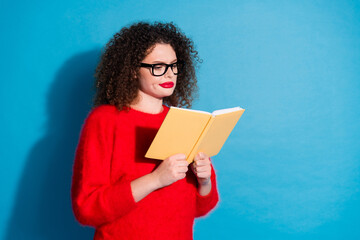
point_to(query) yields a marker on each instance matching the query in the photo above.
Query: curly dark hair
(116, 75)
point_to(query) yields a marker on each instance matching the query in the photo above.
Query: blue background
(290, 169)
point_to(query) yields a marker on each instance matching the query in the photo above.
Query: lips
(167, 85)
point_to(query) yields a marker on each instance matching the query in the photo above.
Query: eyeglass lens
(160, 69)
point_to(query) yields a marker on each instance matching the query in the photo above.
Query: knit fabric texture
(110, 154)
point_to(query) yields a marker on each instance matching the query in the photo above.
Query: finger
(176, 157)
(179, 156)
(183, 169)
(202, 155)
(203, 169)
(182, 163)
(204, 162)
(199, 156)
(203, 175)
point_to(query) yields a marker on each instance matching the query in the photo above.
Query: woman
(145, 68)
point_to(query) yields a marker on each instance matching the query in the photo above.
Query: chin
(167, 93)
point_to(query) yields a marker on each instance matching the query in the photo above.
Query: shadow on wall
(43, 207)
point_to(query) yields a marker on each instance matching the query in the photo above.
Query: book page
(226, 110)
(192, 110)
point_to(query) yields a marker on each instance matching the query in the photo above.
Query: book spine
(195, 149)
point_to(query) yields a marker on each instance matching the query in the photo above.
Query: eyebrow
(161, 62)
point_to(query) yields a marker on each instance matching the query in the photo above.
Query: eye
(158, 66)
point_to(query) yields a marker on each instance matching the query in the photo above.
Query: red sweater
(109, 156)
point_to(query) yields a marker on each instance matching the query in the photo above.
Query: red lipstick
(167, 84)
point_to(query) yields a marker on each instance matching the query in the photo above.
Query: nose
(169, 72)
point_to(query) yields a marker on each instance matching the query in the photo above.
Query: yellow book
(190, 131)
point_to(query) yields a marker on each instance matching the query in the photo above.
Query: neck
(147, 104)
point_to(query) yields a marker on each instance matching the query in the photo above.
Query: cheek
(148, 83)
(145, 78)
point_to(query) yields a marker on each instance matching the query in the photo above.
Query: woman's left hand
(202, 168)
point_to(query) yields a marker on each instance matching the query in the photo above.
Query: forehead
(161, 52)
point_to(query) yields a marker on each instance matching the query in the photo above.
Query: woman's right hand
(171, 170)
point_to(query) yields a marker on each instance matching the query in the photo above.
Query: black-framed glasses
(160, 69)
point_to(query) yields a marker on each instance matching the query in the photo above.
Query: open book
(190, 131)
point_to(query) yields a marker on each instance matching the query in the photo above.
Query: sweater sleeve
(95, 199)
(204, 204)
